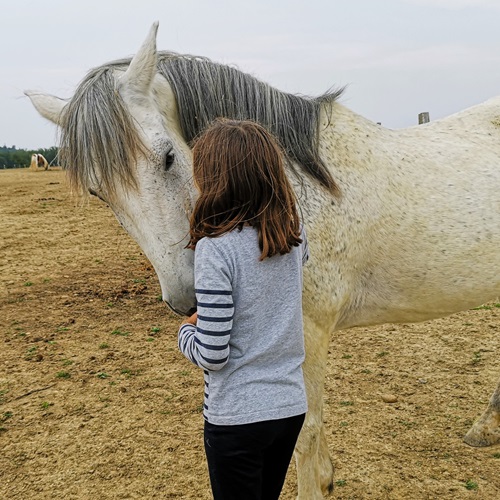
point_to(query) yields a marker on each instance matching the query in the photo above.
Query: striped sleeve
(207, 344)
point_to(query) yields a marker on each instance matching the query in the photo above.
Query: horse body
(413, 235)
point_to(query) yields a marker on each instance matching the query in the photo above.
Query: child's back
(262, 378)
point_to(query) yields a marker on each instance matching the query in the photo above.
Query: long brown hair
(238, 169)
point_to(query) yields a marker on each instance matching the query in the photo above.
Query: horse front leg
(486, 430)
(314, 467)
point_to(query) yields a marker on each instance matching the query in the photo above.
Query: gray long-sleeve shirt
(249, 334)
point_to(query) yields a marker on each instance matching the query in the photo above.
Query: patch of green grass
(110, 304)
(30, 352)
(366, 371)
(486, 307)
(63, 375)
(471, 485)
(28, 283)
(102, 375)
(155, 329)
(496, 455)
(3, 392)
(150, 339)
(103, 345)
(46, 405)
(382, 354)
(120, 333)
(67, 362)
(62, 329)
(341, 483)
(159, 298)
(477, 358)
(347, 356)
(139, 280)
(346, 403)
(6, 416)
(128, 373)
(344, 424)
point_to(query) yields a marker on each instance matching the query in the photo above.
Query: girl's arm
(204, 338)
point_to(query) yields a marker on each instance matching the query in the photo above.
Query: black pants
(250, 461)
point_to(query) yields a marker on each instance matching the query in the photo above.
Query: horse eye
(169, 159)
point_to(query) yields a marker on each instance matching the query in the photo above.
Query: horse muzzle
(180, 312)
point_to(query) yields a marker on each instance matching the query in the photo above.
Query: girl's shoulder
(246, 233)
(228, 242)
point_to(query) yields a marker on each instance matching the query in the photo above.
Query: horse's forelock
(99, 141)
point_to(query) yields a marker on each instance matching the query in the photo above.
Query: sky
(397, 57)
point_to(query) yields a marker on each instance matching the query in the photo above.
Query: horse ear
(48, 106)
(139, 75)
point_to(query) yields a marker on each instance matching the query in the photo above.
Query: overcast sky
(398, 57)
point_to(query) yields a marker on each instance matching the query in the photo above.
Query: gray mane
(97, 129)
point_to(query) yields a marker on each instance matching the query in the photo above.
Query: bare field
(96, 402)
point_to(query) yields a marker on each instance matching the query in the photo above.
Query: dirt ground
(96, 402)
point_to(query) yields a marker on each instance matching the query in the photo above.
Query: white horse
(404, 225)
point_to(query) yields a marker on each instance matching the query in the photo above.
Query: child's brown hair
(238, 168)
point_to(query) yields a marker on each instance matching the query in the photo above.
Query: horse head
(126, 136)
(117, 144)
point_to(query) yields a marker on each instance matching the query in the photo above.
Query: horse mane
(206, 90)
(97, 127)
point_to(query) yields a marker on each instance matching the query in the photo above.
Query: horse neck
(346, 138)
(341, 121)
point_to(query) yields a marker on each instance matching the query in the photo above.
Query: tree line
(11, 157)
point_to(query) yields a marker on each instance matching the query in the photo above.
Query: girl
(247, 332)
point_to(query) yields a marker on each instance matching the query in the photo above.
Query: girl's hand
(192, 319)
